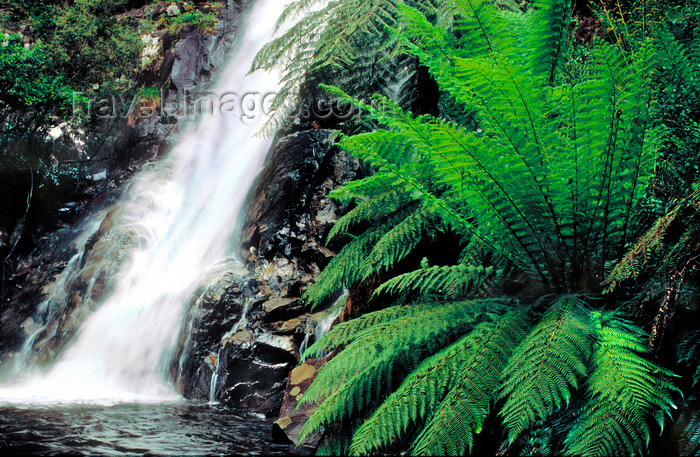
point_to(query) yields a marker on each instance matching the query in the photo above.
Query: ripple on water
(134, 429)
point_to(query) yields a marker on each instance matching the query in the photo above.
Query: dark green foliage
(205, 22)
(91, 46)
(624, 390)
(51, 54)
(30, 88)
(688, 353)
(449, 281)
(461, 414)
(689, 442)
(543, 183)
(68, 48)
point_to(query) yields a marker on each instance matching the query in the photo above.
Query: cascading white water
(184, 211)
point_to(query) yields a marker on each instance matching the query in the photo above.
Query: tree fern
(446, 281)
(542, 184)
(689, 442)
(347, 267)
(349, 37)
(688, 353)
(369, 209)
(347, 332)
(461, 414)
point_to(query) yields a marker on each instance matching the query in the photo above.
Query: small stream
(177, 428)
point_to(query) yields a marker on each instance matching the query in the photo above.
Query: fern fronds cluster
(370, 363)
(434, 389)
(625, 391)
(688, 353)
(689, 439)
(538, 169)
(557, 349)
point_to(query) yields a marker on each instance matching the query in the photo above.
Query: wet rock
(282, 308)
(293, 415)
(289, 214)
(27, 287)
(186, 63)
(215, 308)
(254, 367)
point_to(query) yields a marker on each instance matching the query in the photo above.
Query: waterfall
(174, 220)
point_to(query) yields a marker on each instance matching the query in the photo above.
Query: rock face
(248, 327)
(288, 214)
(243, 336)
(181, 67)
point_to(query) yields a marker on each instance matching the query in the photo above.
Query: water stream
(109, 391)
(180, 215)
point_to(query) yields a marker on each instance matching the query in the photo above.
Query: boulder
(173, 10)
(292, 415)
(281, 309)
(253, 368)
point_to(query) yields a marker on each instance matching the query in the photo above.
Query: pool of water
(182, 428)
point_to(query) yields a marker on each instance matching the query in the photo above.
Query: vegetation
(31, 90)
(52, 54)
(205, 22)
(544, 162)
(347, 42)
(62, 50)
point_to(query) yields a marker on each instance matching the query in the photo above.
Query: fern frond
(477, 355)
(546, 367)
(672, 57)
(448, 281)
(689, 443)
(688, 353)
(388, 337)
(641, 252)
(348, 40)
(546, 30)
(419, 393)
(400, 241)
(650, 245)
(451, 429)
(369, 209)
(370, 187)
(347, 268)
(381, 356)
(346, 332)
(625, 391)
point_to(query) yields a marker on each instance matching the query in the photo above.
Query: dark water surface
(134, 429)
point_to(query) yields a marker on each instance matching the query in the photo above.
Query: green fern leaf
(450, 430)
(546, 367)
(421, 393)
(346, 332)
(624, 390)
(445, 281)
(369, 365)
